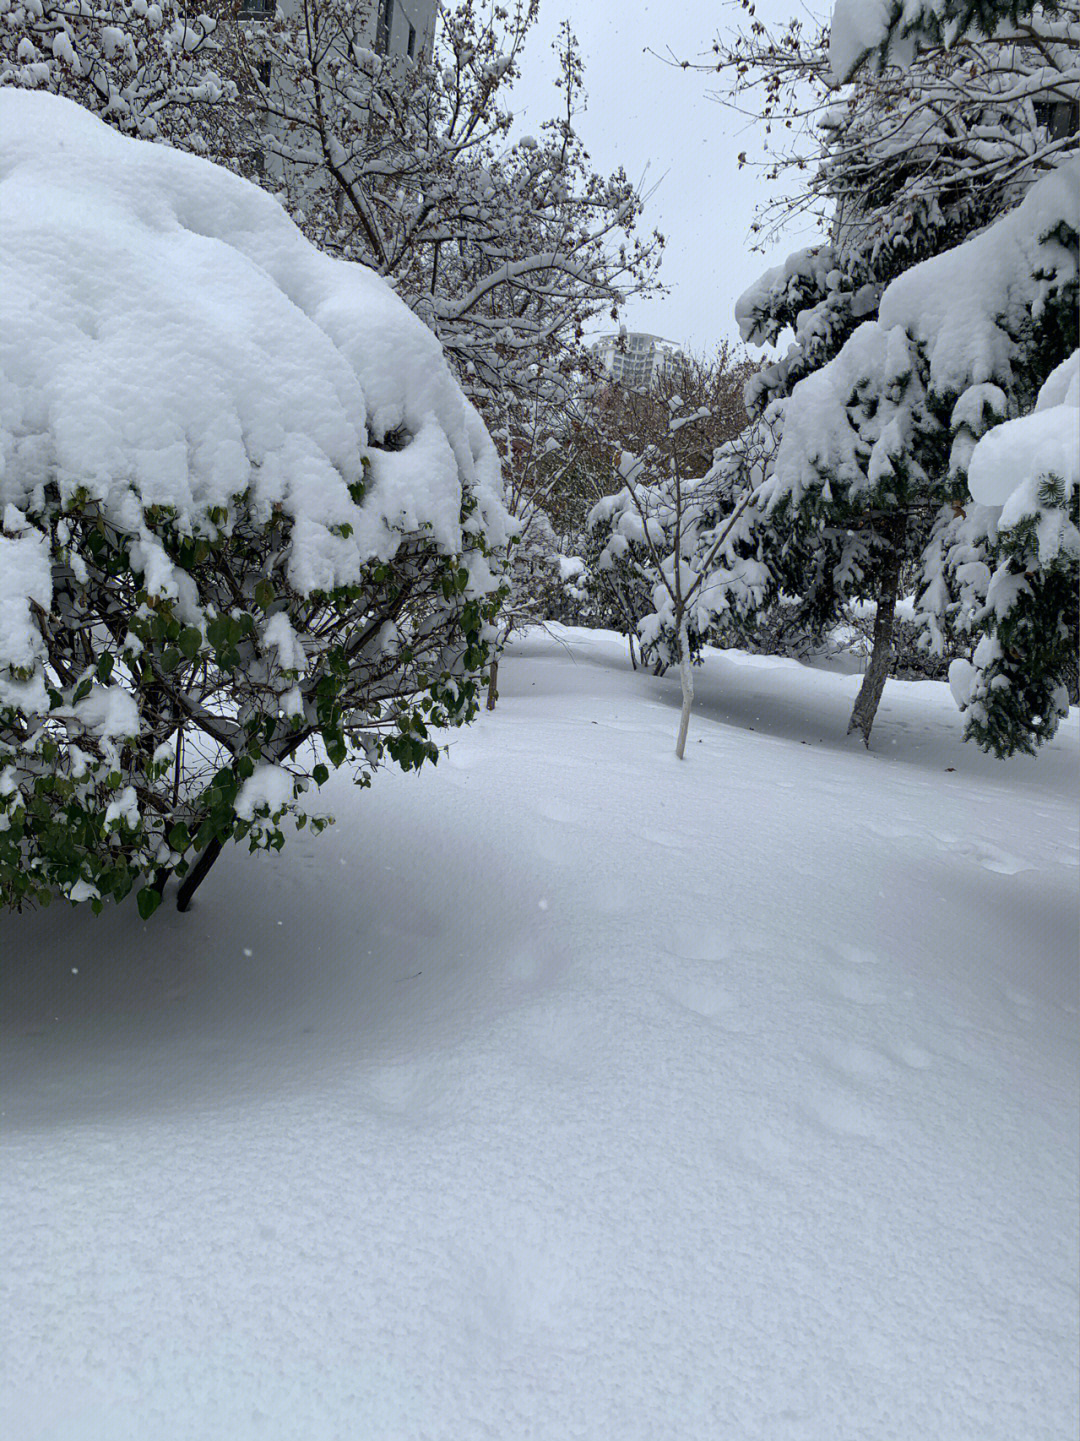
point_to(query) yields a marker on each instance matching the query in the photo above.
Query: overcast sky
(659, 123)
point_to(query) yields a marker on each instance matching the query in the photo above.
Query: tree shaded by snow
(613, 586)
(150, 69)
(961, 342)
(506, 250)
(1010, 568)
(681, 542)
(247, 516)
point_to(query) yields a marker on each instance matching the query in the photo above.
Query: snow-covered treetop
(171, 340)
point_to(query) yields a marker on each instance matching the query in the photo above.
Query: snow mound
(169, 338)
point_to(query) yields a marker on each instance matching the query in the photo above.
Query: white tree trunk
(686, 675)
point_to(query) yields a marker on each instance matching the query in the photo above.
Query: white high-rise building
(636, 360)
(406, 27)
(389, 27)
(394, 27)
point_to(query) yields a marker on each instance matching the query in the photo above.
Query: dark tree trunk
(877, 671)
(493, 685)
(198, 873)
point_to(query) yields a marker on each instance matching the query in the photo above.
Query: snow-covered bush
(621, 569)
(247, 515)
(616, 584)
(687, 542)
(649, 460)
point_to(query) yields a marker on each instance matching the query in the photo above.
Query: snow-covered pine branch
(892, 32)
(1013, 559)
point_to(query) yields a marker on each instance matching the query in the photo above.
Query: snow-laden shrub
(673, 548)
(619, 573)
(246, 514)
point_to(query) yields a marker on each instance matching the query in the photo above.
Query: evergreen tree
(911, 161)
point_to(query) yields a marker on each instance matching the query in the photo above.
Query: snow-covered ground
(565, 1091)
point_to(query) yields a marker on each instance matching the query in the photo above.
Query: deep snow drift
(566, 1091)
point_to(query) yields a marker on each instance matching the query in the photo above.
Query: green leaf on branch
(148, 901)
(190, 641)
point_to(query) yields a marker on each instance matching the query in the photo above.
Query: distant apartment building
(636, 360)
(405, 27)
(394, 27)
